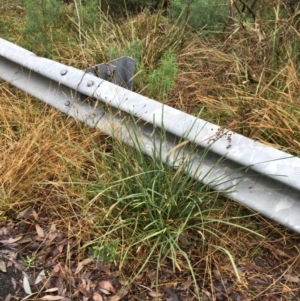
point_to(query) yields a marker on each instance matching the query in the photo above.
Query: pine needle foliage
(121, 6)
(208, 14)
(41, 17)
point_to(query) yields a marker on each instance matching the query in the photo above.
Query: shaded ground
(11, 283)
(57, 270)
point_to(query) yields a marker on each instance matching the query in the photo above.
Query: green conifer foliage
(41, 17)
(210, 14)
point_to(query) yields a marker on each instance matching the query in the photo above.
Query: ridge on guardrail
(260, 177)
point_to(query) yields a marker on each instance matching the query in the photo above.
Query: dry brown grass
(239, 90)
(37, 145)
(43, 152)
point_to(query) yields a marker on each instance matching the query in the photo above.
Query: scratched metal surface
(265, 179)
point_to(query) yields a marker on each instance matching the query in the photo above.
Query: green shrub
(89, 14)
(157, 80)
(41, 17)
(161, 79)
(201, 13)
(119, 6)
(133, 49)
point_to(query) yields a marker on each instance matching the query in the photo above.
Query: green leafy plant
(157, 81)
(162, 78)
(29, 262)
(106, 251)
(132, 48)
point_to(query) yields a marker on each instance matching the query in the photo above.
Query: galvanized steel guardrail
(260, 177)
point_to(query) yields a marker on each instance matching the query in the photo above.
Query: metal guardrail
(260, 177)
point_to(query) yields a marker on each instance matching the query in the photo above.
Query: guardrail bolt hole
(64, 72)
(90, 83)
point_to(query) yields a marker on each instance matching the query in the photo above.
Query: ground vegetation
(83, 217)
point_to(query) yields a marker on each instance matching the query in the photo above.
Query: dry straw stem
(237, 91)
(50, 162)
(154, 30)
(35, 147)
